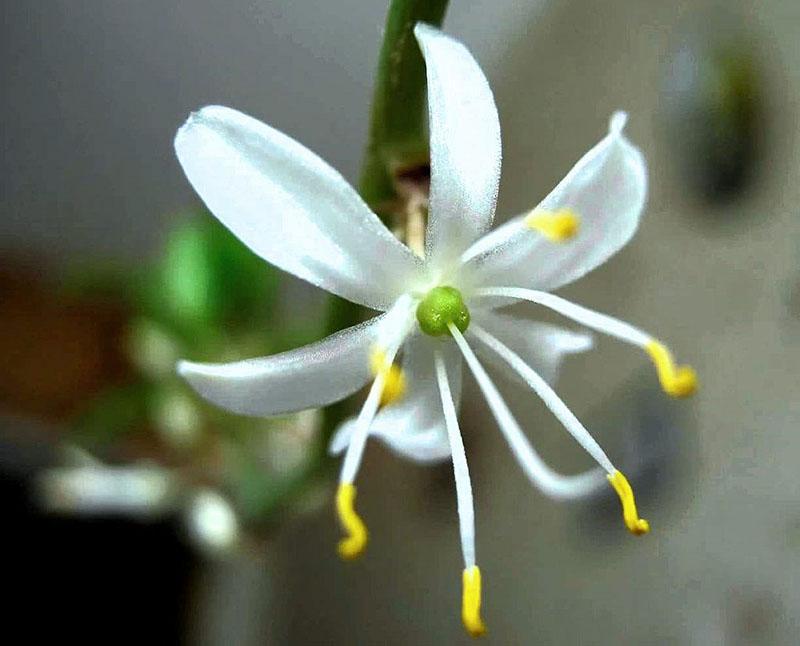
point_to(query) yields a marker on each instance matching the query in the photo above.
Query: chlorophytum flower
(437, 311)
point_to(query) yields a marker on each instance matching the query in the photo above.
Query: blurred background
(134, 510)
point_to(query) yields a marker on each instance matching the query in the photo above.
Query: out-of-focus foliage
(204, 297)
(715, 107)
(207, 281)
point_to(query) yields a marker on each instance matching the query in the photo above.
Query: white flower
(296, 212)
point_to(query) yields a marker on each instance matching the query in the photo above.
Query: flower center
(442, 306)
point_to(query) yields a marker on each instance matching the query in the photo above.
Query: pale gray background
(92, 94)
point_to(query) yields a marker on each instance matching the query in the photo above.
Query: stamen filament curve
(635, 525)
(676, 381)
(556, 226)
(391, 337)
(466, 512)
(548, 396)
(471, 601)
(542, 476)
(354, 544)
(356, 541)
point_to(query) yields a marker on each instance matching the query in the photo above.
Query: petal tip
(422, 29)
(194, 118)
(205, 113)
(185, 368)
(617, 122)
(582, 342)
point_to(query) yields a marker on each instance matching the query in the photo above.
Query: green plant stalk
(397, 119)
(396, 136)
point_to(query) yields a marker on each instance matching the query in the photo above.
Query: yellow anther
(634, 524)
(377, 361)
(471, 602)
(394, 379)
(356, 541)
(557, 226)
(394, 385)
(677, 381)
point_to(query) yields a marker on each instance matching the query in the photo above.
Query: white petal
(607, 189)
(541, 345)
(415, 427)
(312, 376)
(291, 208)
(464, 147)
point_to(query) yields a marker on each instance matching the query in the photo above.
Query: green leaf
(113, 413)
(208, 280)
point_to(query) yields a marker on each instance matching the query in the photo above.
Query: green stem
(396, 133)
(396, 136)
(397, 119)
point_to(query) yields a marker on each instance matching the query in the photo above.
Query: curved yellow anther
(677, 381)
(352, 546)
(634, 524)
(471, 602)
(394, 379)
(557, 226)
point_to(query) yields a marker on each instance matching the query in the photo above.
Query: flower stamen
(556, 226)
(621, 485)
(538, 472)
(677, 381)
(394, 379)
(548, 396)
(471, 601)
(353, 545)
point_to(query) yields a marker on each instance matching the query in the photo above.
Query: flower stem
(396, 135)
(397, 119)
(396, 138)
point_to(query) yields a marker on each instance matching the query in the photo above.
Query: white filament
(391, 336)
(466, 511)
(548, 395)
(355, 450)
(548, 481)
(600, 322)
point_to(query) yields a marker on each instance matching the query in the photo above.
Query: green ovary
(441, 307)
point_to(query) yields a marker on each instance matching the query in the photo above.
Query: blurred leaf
(101, 279)
(111, 414)
(297, 335)
(255, 490)
(176, 416)
(152, 349)
(716, 116)
(208, 280)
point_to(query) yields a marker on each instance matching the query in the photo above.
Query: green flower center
(441, 307)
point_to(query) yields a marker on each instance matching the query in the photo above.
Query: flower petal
(414, 427)
(464, 147)
(541, 345)
(607, 189)
(291, 208)
(312, 376)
